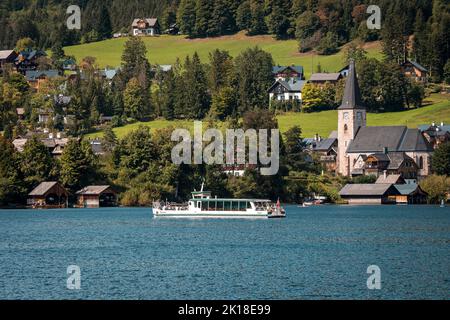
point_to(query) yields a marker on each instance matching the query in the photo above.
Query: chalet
(48, 195)
(436, 134)
(69, 64)
(7, 57)
(391, 163)
(36, 78)
(323, 78)
(410, 194)
(28, 60)
(369, 193)
(54, 143)
(288, 72)
(286, 90)
(145, 27)
(415, 71)
(326, 150)
(96, 196)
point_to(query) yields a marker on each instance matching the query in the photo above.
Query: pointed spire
(352, 95)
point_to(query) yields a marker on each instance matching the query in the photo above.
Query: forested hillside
(322, 25)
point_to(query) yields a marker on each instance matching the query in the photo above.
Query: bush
(437, 188)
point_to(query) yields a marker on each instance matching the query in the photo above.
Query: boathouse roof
(93, 190)
(43, 188)
(368, 190)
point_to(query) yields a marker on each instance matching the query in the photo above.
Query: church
(364, 150)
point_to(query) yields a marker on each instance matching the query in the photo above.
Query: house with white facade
(290, 90)
(145, 27)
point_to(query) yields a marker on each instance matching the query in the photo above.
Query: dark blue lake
(315, 253)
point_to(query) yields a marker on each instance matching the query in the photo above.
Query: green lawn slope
(166, 49)
(325, 122)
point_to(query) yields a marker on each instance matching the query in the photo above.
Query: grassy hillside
(166, 49)
(325, 122)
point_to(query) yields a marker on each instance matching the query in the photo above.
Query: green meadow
(166, 49)
(324, 122)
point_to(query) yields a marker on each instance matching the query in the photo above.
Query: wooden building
(48, 195)
(369, 194)
(415, 71)
(145, 27)
(7, 57)
(96, 196)
(410, 194)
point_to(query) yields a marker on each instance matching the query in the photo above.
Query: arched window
(345, 128)
(421, 163)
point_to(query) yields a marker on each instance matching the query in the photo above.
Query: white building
(145, 27)
(287, 90)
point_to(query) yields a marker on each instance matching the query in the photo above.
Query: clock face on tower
(346, 115)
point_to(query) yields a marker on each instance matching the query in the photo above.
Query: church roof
(395, 139)
(352, 95)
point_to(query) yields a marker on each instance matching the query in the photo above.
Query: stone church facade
(389, 149)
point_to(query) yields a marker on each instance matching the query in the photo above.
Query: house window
(421, 163)
(345, 128)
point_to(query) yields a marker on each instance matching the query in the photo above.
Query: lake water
(315, 253)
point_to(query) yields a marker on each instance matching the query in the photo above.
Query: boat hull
(212, 214)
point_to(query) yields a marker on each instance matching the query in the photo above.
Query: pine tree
(221, 69)
(186, 17)
(136, 100)
(203, 10)
(78, 165)
(278, 20)
(168, 90)
(244, 16)
(103, 27)
(36, 163)
(253, 69)
(196, 91)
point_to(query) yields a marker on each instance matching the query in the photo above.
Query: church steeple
(352, 95)
(351, 117)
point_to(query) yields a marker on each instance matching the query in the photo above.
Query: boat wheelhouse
(203, 205)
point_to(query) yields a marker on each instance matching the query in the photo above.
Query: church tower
(352, 116)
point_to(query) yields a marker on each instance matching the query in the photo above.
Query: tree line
(322, 25)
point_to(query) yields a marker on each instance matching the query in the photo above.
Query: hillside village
(51, 101)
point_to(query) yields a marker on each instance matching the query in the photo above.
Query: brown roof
(366, 189)
(5, 54)
(151, 22)
(43, 188)
(390, 179)
(325, 77)
(93, 190)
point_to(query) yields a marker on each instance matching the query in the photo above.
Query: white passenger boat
(202, 205)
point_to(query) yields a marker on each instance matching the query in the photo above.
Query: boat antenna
(203, 183)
